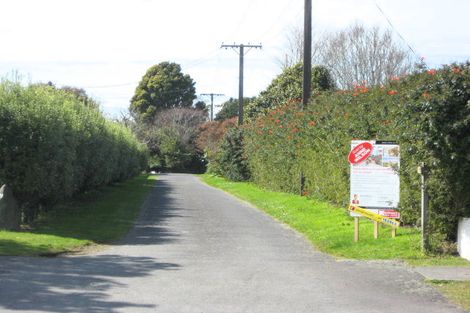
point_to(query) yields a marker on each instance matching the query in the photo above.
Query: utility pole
(212, 101)
(240, 80)
(307, 79)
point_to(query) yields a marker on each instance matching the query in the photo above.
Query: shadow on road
(152, 227)
(74, 284)
(88, 283)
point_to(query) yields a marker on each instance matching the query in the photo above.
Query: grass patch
(457, 291)
(98, 217)
(331, 230)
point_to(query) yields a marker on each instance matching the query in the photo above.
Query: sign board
(374, 216)
(375, 183)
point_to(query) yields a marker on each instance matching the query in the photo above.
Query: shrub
(52, 146)
(428, 113)
(233, 163)
(209, 140)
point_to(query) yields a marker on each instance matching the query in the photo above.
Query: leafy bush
(209, 140)
(233, 163)
(428, 113)
(52, 146)
(171, 139)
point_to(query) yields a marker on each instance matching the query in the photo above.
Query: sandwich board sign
(374, 178)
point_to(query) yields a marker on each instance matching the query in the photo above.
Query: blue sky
(106, 46)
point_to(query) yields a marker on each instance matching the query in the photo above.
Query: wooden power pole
(307, 78)
(212, 101)
(241, 47)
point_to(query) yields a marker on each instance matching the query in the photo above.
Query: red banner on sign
(360, 153)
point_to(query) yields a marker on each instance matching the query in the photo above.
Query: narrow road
(196, 249)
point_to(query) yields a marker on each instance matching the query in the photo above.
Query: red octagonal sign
(360, 152)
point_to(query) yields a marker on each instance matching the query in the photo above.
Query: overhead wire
(396, 31)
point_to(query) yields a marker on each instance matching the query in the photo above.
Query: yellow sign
(374, 216)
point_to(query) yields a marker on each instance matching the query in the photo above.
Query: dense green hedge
(52, 146)
(428, 113)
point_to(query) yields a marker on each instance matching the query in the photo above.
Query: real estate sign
(374, 179)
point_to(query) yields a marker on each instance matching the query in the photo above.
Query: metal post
(423, 171)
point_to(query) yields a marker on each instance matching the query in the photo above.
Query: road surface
(196, 249)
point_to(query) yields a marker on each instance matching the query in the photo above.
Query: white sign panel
(375, 182)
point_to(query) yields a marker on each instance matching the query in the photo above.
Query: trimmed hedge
(428, 113)
(52, 146)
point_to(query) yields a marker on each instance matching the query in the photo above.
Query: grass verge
(456, 291)
(98, 217)
(331, 230)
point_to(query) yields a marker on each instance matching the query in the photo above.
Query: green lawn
(331, 230)
(98, 217)
(457, 291)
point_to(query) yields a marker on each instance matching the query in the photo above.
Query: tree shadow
(72, 284)
(92, 283)
(151, 228)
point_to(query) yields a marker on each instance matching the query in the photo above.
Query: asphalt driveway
(196, 249)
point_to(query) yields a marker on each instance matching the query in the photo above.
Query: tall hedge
(52, 146)
(428, 113)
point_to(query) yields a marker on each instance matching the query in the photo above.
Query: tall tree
(355, 55)
(164, 86)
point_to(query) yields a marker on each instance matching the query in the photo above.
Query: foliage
(171, 139)
(53, 147)
(82, 96)
(288, 87)
(331, 229)
(428, 113)
(96, 217)
(233, 163)
(201, 105)
(230, 108)
(162, 87)
(209, 139)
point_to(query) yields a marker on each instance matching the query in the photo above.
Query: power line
(110, 86)
(241, 48)
(396, 31)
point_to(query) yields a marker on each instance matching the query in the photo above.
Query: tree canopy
(162, 87)
(288, 87)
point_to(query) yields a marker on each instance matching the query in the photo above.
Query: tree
(230, 108)
(171, 138)
(288, 87)
(164, 86)
(356, 55)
